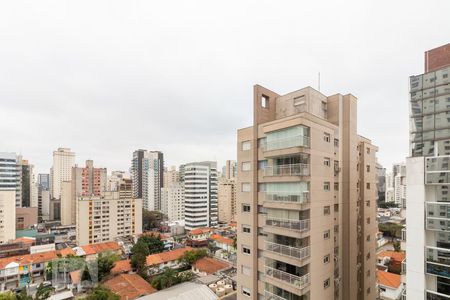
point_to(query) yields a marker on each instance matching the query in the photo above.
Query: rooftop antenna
(318, 82)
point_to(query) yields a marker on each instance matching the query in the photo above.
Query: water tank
(220, 292)
(220, 283)
(213, 287)
(228, 288)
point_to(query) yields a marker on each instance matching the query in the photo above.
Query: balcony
(438, 270)
(298, 225)
(436, 296)
(287, 170)
(294, 280)
(287, 142)
(438, 255)
(301, 198)
(271, 296)
(299, 253)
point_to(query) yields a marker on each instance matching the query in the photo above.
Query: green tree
(105, 263)
(189, 257)
(23, 295)
(154, 243)
(7, 296)
(43, 292)
(102, 293)
(139, 254)
(391, 229)
(397, 247)
(151, 219)
(167, 279)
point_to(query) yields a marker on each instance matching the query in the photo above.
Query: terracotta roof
(398, 256)
(66, 251)
(129, 286)
(26, 240)
(389, 279)
(121, 266)
(159, 258)
(101, 247)
(28, 259)
(210, 265)
(221, 239)
(198, 231)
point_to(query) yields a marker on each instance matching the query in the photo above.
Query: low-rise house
(198, 237)
(170, 259)
(207, 265)
(129, 286)
(90, 252)
(389, 285)
(223, 243)
(121, 267)
(390, 261)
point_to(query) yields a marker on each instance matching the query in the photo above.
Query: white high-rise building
(63, 161)
(390, 191)
(114, 180)
(200, 192)
(428, 181)
(147, 169)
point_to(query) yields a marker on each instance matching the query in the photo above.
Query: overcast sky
(108, 77)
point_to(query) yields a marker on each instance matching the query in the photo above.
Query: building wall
(173, 201)
(63, 161)
(26, 217)
(7, 215)
(226, 197)
(337, 224)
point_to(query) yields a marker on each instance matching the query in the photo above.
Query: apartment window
(368, 273)
(326, 259)
(336, 228)
(327, 161)
(336, 186)
(444, 75)
(326, 137)
(368, 185)
(264, 101)
(245, 187)
(336, 142)
(368, 150)
(245, 228)
(245, 207)
(368, 203)
(246, 270)
(246, 291)
(326, 186)
(246, 145)
(336, 208)
(368, 238)
(326, 210)
(368, 256)
(368, 290)
(326, 283)
(368, 220)
(368, 168)
(246, 250)
(246, 165)
(326, 234)
(299, 100)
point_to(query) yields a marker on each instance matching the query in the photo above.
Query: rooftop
(222, 240)
(159, 258)
(121, 266)
(389, 279)
(129, 286)
(397, 256)
(210, 265)
(198, 231)
(101, 247)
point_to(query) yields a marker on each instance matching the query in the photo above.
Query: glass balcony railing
(287, 142)
(436, 296)
(301, 198)
(298, 281)
(287, 170)
(438, 224)
(299, 225)
(438, 270)
(438, 255)
(294, 252)
(271, 296)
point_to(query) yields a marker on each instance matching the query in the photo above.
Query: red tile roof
(389, 279)
(159, 258)
(129, 286)
(101, 247)
(397, 256)
(221, 239)
(28, 259)
(121, 266)
(210, 265)
(198, 231)
(66, 251)
(26, 240)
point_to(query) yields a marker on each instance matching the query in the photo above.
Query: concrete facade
(306, 200)
(63, 161)
(226, 198)
(7, 215)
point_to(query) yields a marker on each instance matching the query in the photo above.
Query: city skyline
(104, 87)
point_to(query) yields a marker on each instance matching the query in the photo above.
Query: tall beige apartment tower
(306, 200)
